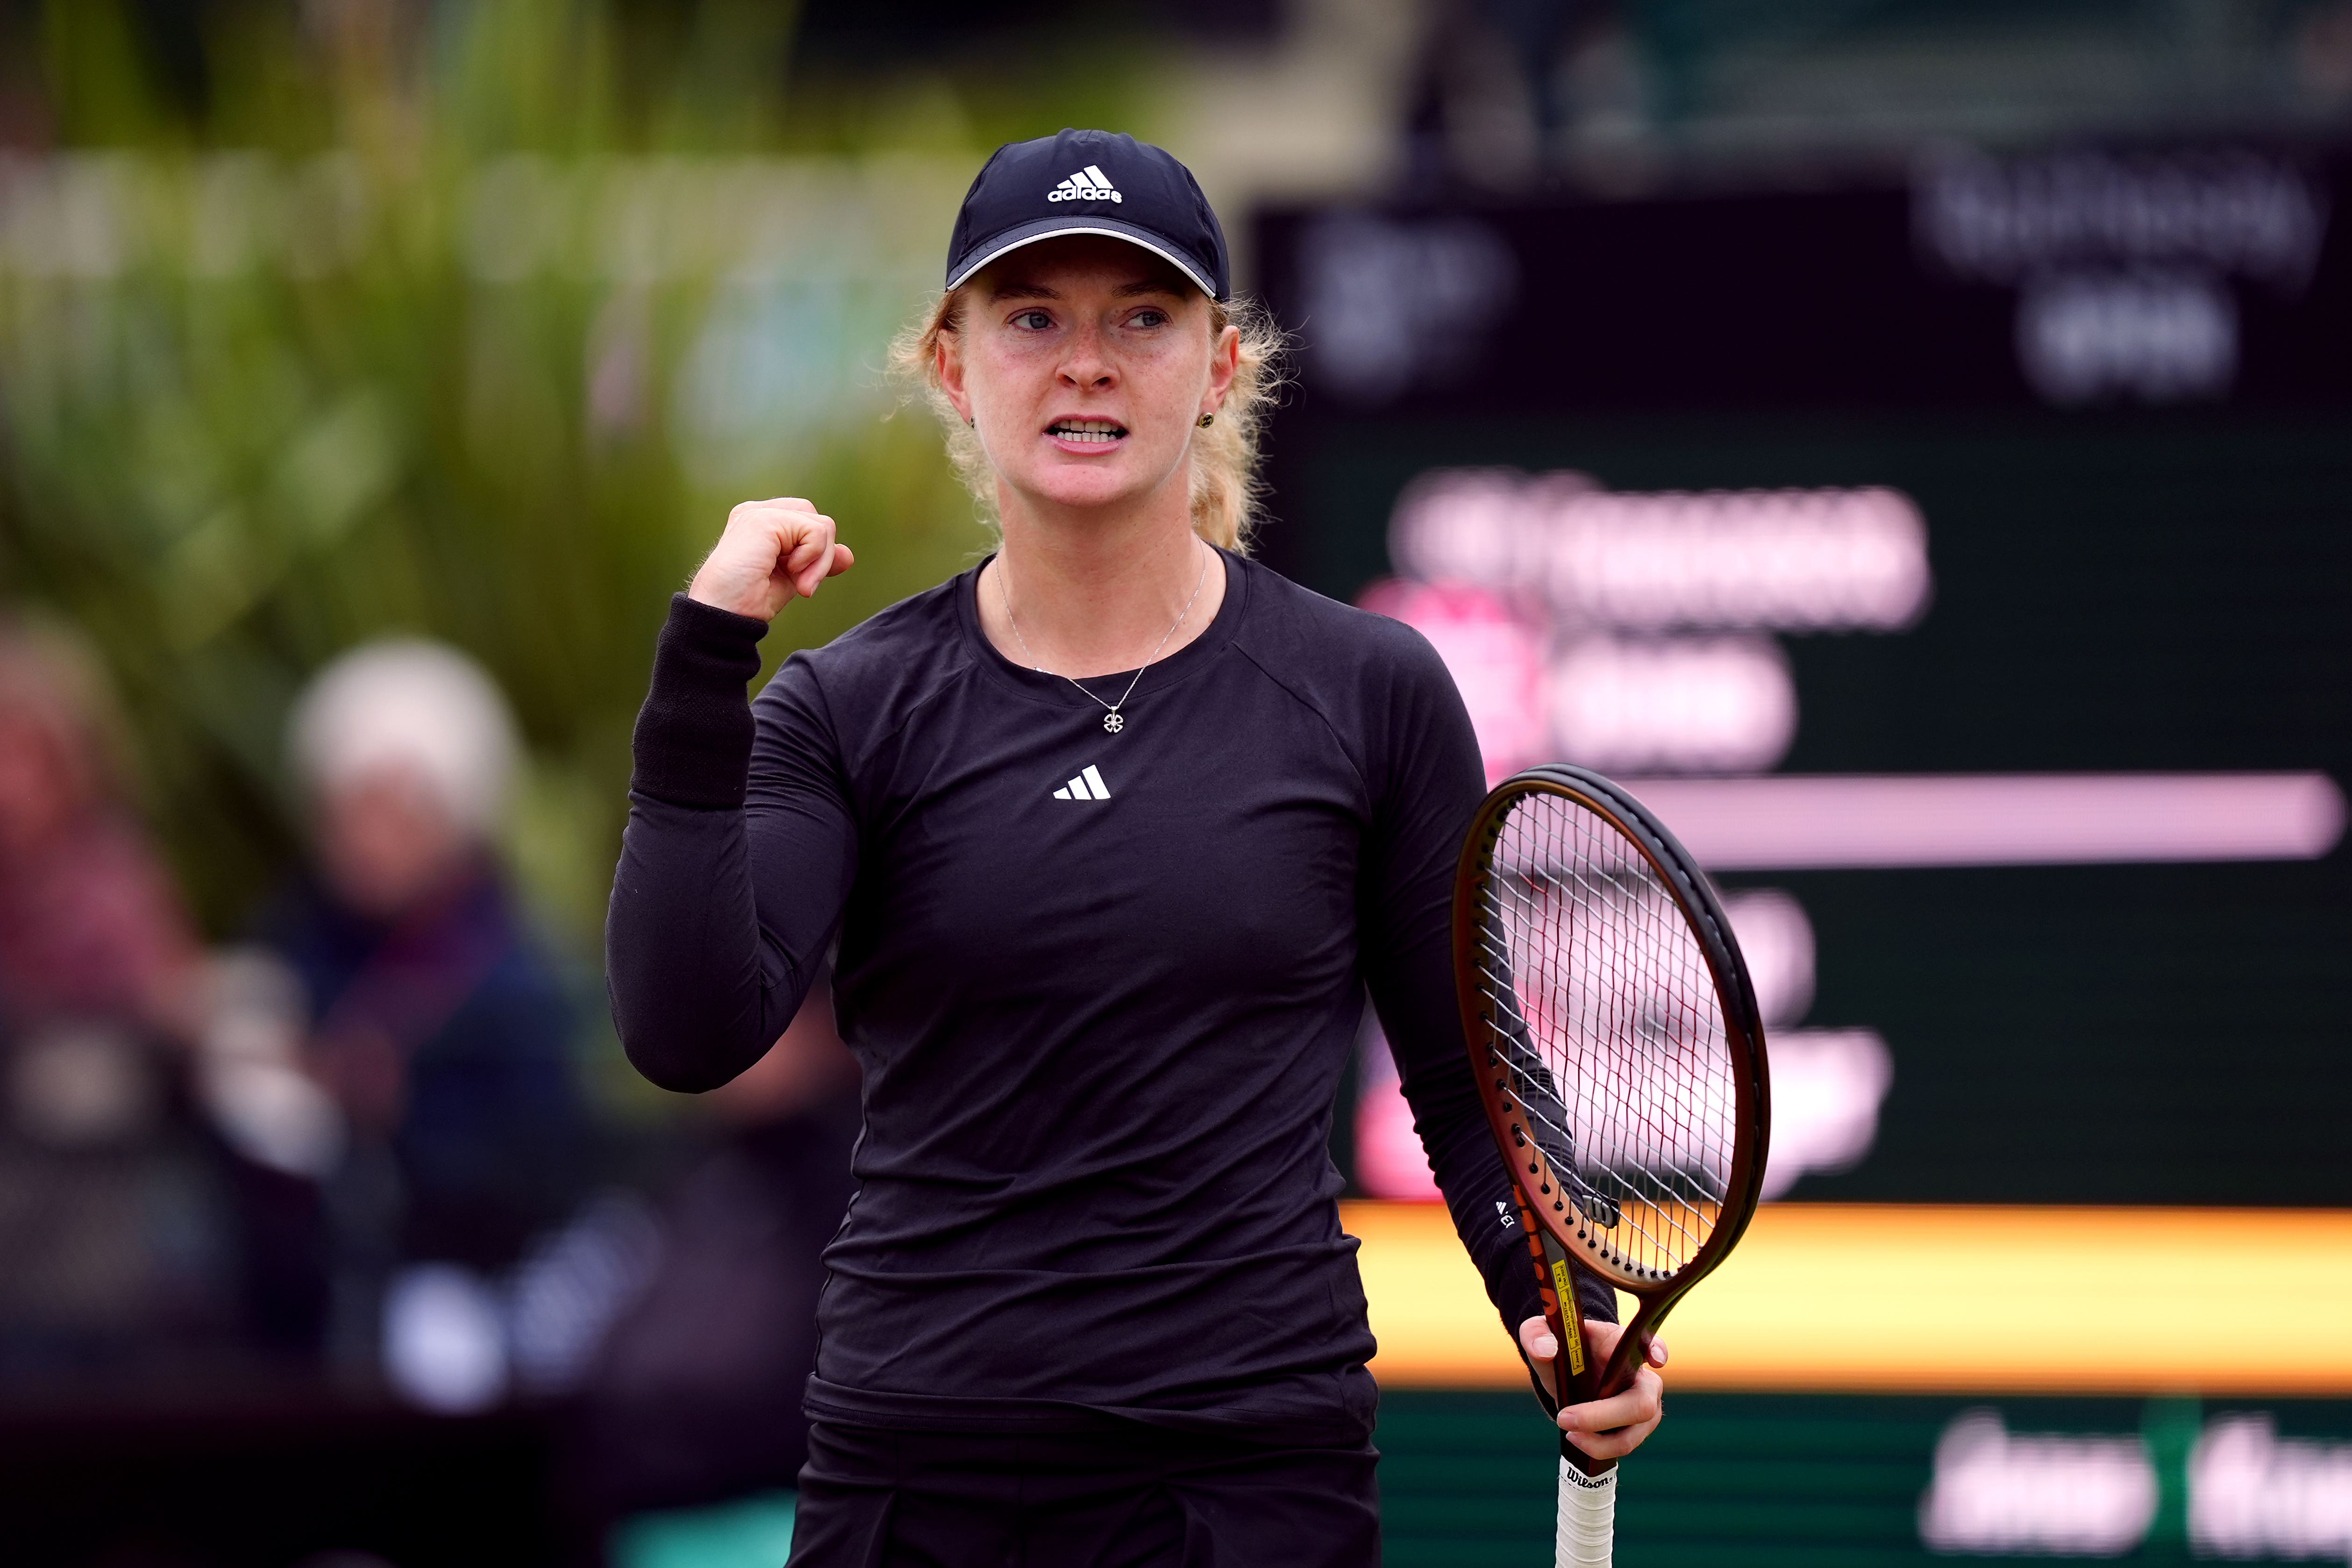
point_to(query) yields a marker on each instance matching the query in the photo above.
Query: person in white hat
(433, 1016)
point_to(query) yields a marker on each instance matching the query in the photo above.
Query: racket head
(1614, 1032)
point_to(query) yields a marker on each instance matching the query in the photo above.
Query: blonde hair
(1225, 484)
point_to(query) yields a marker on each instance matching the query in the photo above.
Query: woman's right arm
(720, 912)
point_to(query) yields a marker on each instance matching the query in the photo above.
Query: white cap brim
(1052, 228)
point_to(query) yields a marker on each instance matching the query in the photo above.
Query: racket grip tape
(1588, 1517)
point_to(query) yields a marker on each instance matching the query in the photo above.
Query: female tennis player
(1113, 830)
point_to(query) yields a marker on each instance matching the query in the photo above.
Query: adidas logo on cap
(1088, 184)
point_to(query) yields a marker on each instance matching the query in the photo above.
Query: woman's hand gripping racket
(1617, 1046)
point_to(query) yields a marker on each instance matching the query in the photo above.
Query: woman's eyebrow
(1028, 291)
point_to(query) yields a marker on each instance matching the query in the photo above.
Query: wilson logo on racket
(1617, 1045)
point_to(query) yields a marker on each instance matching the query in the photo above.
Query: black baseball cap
(1089, 182)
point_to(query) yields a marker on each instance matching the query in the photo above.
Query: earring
(1207, 420)
(968, 423)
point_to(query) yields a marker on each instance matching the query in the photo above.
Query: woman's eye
(1032, 320)
(1150, 318)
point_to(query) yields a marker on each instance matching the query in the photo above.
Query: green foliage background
(233, 445)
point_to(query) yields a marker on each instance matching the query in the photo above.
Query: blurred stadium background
(1913, 438)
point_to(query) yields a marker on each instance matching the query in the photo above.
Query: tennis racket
(1618, 1049)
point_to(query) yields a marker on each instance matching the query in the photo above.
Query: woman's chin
(1095, 484)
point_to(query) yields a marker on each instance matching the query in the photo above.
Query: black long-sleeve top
(1101, 985)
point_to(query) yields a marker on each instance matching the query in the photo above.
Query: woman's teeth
(1086, 430)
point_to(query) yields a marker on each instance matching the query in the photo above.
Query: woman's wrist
(693, 738)
(724, 590)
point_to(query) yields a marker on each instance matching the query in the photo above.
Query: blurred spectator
(113, 1229)
(433, 1020)
(90, 924)
(695, 1395)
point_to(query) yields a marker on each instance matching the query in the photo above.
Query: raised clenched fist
(772, 552)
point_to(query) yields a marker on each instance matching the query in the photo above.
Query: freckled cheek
(1161, 384)
(1011, 383)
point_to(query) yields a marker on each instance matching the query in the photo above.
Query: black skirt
(1124, 1496)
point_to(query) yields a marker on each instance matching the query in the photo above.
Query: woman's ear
(1224, 364)
(947, 369)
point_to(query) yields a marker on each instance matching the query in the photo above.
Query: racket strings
(1634, 1006)
(1608, 1033)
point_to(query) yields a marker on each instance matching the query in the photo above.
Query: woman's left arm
(1423, 766)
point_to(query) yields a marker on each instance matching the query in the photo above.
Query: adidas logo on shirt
(1088, 184)
(1087, 785)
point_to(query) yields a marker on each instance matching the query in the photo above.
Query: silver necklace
(1113, 720)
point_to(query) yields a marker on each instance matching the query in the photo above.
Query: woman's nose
(1087, 364)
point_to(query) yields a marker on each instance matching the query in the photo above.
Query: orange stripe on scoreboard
(1901, 1298)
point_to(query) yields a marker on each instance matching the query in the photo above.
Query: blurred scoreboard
(1964, 568)
(1782, 1481)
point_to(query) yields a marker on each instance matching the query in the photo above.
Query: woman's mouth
(1084, 433)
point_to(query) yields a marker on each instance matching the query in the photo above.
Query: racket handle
(1588, 1517)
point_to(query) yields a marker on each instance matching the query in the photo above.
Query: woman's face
(1085, 364)
(386, 843)
(41, 790)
